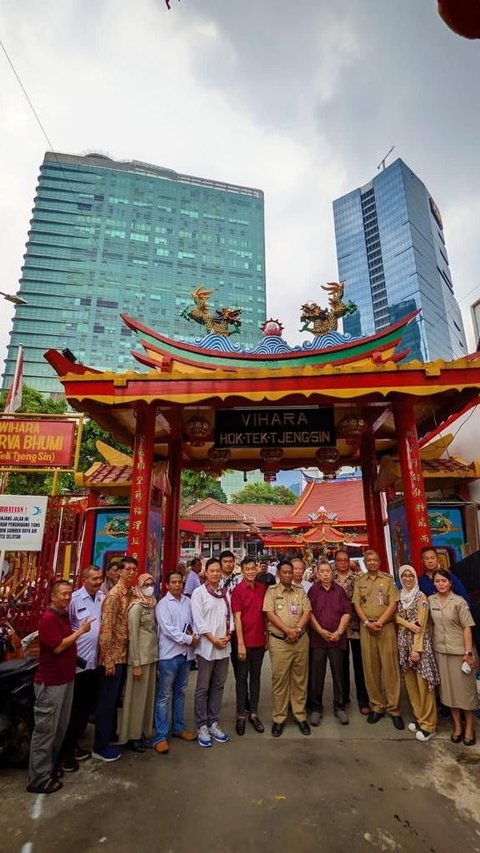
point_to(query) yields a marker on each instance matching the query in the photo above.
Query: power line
(37, 117)
(114, 279)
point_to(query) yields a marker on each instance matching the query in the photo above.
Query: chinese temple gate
(214, 405)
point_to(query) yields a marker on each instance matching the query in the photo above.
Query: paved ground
(358, 788)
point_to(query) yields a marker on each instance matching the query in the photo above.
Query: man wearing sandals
(53, 688)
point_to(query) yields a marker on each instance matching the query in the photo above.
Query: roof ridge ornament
(217, 322)
(320, 321)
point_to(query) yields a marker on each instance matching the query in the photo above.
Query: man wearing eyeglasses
(112, 658)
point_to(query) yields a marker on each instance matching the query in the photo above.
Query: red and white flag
(14, 396)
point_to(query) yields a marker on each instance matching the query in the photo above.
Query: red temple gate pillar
(171, 542)
(141, 490)
(418, 524)
(372, 499)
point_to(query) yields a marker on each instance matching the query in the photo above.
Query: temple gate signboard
(36, 443)
(294, 427)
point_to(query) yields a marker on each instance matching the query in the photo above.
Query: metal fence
(25, 588)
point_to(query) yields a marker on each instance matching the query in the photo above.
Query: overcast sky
(301, 98)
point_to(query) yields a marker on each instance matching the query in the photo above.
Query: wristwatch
(367, 622)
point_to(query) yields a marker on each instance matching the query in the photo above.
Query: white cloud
(299, 99)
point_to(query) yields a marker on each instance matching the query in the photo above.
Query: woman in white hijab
(417, 661)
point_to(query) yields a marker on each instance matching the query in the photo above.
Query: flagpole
(14, 396)
(13, 403)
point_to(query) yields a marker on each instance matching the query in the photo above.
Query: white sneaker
(203, 737)
(424, 736)
(217, 733)
(412, 727)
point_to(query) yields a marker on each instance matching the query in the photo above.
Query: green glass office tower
(108, 237)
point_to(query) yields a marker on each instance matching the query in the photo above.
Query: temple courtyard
(346, 788)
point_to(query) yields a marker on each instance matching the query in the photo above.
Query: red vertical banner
(140, 495)
(372, 500)
(415, 500)
(171, 542)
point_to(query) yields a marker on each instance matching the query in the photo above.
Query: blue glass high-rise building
(107, 237)
(392, 257)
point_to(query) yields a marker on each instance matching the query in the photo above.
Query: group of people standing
(109, 649)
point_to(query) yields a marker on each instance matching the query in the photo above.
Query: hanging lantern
(351, 428)
(327, 461)
(219, 456)
(198, 430)
(271, 458)
(462, 16)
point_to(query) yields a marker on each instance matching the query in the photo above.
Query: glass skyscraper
(392, 257)
(110, 236)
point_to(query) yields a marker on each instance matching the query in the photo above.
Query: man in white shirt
(86, 603)
(212, 621)
(193, 577)
(298, 574)
(176, 642)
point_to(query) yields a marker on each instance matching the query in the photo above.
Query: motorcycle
(17, 697)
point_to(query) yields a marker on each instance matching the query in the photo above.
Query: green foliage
(88, 451)
(264, 493)
(196, 486)
(34, 402)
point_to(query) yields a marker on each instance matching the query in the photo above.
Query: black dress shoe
(456, 738)
(137, 745)
(304, 727)
(398, 722)
(256, 723)
(240, 726)
(470, 741)
(277, 729)
(375, 716)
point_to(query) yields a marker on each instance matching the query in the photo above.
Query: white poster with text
(22, 522)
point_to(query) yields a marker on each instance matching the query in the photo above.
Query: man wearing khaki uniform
(288, 613)
(375, 599)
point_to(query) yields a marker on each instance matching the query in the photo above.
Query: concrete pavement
(356, 787)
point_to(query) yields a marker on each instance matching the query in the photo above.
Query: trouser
(85, 691)
(316, 677)
(289, 677)
(211, 678)
(422, 700)
(380, 663)
(360, 688)
(171, 686)
(52, 714)
(247, 680)
(109, 690)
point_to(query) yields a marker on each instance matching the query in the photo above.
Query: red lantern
(198, 430)
(462, 16)
(352, 427)
(327, 461)
(271, 458)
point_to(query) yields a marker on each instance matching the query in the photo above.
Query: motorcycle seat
(17, 666)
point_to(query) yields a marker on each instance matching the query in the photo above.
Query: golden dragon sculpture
(218, 322)
(320, 320)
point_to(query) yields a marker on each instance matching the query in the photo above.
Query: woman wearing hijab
(453, 647)
(417, 660)
(136, 720)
